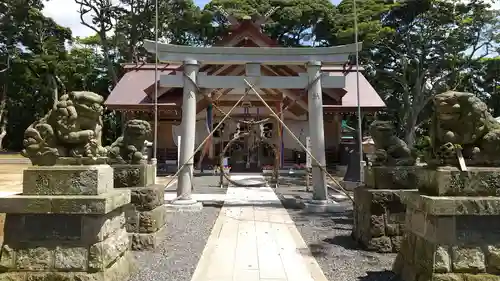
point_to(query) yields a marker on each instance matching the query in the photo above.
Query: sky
(65, 13)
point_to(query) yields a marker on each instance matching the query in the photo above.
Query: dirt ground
(11, 179)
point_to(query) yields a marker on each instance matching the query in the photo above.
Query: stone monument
(128, 156)
(452, 229)
(146, 215)
(68, 223)
(379, 214)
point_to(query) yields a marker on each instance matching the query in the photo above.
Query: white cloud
(65, 13)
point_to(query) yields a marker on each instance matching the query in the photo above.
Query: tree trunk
(3, 127)
(3, 104)
(55, 92)
(410, 131)
(109, 63)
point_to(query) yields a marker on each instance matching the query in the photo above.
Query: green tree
(33, 44)
(418, 49)
(293, 22)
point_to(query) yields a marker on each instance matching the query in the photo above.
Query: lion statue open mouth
(462, 121)
(73, 128)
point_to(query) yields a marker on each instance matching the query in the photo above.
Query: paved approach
(254, 239)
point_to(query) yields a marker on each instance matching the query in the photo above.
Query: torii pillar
(316, 131)
(188, 126)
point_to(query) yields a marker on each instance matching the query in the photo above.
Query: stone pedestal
(379, 214)
(146, 217)
(68, 224)
(452, 237)
(146, 214)
(126, 175)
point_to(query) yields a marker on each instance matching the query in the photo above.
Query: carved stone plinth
(146, 214)
(378, 219)
(450, 238)
(71, 226)
(450, 181)
(379, 214)
(146, 217)
(395, 178)
(134, 175)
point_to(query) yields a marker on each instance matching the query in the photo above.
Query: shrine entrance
(204, 87)
(250, 153)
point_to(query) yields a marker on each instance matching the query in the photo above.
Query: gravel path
(328, 238)
(178, 255)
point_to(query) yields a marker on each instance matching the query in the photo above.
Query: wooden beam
(238, 82)
(264, 55)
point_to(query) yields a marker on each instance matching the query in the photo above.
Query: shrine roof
(136, 87)
(370, 100)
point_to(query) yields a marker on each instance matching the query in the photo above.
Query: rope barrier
(200, 146)
(226, 116)
(299, 142)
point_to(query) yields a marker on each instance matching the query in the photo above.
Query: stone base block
(67, 180)
(450, 238)
(184, 206)
(325, 206)
(65, 204)
(146, 217)
(71, 247)
(126, 175)
(147, 241)
(386, 177)
(379, 217)
(147, 198)
(121, 270)
(450, 181)
(145, 221)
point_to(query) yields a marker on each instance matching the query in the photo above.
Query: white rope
(202, 144)
(322, 168)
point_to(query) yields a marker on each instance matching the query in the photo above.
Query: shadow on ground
(385, 275)
(328, 236)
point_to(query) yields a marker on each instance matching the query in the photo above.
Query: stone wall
(379, 219)
(146, 214)
(379, 214)
(450, 238)
(66, 246)
(126, 175)
(146, 217)
(68, 224)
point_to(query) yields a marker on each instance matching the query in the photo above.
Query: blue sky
(65, 13)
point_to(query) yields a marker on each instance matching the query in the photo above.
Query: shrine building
(134, 96)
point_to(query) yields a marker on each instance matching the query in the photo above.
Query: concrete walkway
(254, 239)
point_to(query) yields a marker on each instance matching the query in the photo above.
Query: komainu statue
(130, 148)
(389, 149)
(73, 129)
(462, 122)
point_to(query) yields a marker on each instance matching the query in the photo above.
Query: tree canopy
(412, 50)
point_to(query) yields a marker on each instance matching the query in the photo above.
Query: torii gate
(191, 80)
